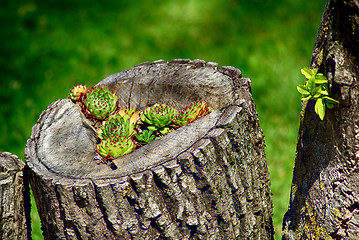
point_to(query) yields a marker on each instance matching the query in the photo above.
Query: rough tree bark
(14, 222)
(206, 180)
(324, 201)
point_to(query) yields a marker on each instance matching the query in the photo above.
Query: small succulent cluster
(161, 119)
(78, 92)
(120, 131)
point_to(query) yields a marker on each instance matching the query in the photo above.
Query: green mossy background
(49, 46)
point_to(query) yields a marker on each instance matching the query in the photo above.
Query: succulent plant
(129, 114)
(115, 146)
(116, 125)
(191, 113)
(77, 92)
(145, 137)
(158, 117)
(127, 111)
(100, 102)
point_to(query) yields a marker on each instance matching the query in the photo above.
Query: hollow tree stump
(206, 180)
(14, 222)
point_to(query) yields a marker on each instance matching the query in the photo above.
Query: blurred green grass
(49, 46)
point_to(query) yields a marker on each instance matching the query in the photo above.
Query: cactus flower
(191, 113)
(116, 146)
(100, 102)
(117, 125)
(77, 92)
(158, 117)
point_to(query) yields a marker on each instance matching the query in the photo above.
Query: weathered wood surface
(324, 201)
(206, 180)
(13, 223)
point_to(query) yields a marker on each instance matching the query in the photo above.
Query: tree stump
(206, 180)
(324, 201)
(14, 221)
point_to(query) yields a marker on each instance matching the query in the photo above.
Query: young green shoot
(316, 88)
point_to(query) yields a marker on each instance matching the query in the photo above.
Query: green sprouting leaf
(302, 89)
(307, 72)
(320, 79)
(320, 108)
(324, 89)
(314, 71)
(306, 97)
(317, 92)
(311, 85)
(316, 88)
(329, 105)
(331, 100)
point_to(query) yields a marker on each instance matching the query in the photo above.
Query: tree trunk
(14, 222)
(324, 201)
(206, 180)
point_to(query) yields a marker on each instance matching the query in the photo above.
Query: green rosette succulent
(191, 113)
(145, 137)
(117, 125)
(158, 117)
(100, 102)
(116, 146)
(77, 92)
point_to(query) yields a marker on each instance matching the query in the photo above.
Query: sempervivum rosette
(116, 124)
(158, 117)
(77, 92)
(191, 113)
(100, 102)
(115, 146)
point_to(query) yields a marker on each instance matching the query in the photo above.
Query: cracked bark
(14, 222)
(324, 201)
(206, 180)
